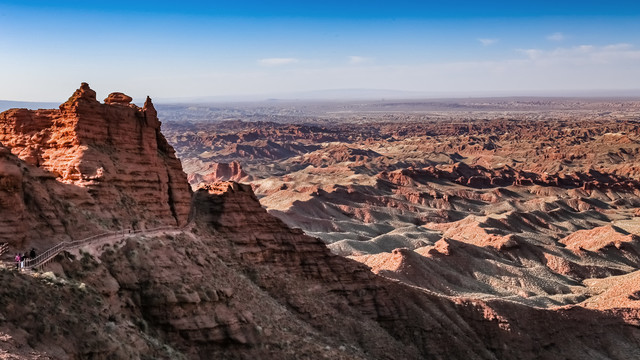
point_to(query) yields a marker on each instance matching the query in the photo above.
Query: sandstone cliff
(111, 156)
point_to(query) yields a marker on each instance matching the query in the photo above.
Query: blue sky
(221, 48)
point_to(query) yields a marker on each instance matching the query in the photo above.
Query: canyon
(374, 235)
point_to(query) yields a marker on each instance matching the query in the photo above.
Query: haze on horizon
(203, 49)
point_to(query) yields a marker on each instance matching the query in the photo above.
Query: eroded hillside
(480, 276)
(527, 206)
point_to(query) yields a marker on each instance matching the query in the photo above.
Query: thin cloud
(612, 66)
(487, 42)
(354, 60)
(531, 53)
(558, 36)
(277, 61)
(584, 54)
(618, 47)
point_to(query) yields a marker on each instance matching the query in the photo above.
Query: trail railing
(4, 247)
(51, 253)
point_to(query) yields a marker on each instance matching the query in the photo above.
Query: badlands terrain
(530, 200)
(475, 229)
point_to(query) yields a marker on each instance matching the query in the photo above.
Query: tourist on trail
(22, 259)
(17, 261)
(32, 254)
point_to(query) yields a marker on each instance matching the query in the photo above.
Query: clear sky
(224, 48)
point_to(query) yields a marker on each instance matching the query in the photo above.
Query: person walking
(32, 254)
(17, 261)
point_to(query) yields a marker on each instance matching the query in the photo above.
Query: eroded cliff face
(241, 284)
(254, 239)
(113, 152)
(38, 210)
(238, 283)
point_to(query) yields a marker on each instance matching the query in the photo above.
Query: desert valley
(484, 228)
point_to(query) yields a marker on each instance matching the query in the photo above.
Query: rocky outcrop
(47, 317)
(118, 98)
(241, 284)
(600, 238)
(479, 177)
(12, 205)
(260, 239)
(219, 172)
(112, 156)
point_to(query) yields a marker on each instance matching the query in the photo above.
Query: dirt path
(93, 245)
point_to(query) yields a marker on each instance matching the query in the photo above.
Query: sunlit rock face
(110, 159)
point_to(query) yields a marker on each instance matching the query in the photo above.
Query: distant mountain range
(351, 94)
(386, 94)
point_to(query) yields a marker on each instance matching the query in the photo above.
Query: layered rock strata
(37, 210)
(86, 168)
(115, 151)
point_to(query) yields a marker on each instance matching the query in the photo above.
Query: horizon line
(372, 94)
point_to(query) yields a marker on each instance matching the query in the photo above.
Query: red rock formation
(479, 177)
(505, 192)
(220, 172)
(262, 239)
(115, 154)
(37, 210)
(240, 284)
(12, 206)
(118, 98)
(621, 293)
(599, 238)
